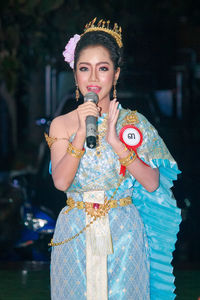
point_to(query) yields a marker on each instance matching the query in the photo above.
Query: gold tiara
(102, 25)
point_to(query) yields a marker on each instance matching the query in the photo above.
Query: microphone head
(91, 96)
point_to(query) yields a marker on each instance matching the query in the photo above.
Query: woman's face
(95, 72)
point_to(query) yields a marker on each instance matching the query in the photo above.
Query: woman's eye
(83, 69)
(103, 68)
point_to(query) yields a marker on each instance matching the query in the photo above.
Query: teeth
(93, 88)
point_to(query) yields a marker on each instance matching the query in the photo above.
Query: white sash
(98, 246)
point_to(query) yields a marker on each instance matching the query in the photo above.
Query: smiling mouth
(94, 88)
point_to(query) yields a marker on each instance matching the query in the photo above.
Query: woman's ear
(117, 73)
(116, 76)
(75, 78)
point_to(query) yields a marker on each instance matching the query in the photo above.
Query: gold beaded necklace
(101, 132)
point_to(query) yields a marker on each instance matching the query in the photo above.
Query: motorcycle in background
(38, 224)
(26, 228)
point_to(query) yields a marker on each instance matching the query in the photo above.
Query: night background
(160, 78)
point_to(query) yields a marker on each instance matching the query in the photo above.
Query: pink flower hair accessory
(70, 49)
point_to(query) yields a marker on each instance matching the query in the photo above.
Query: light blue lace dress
(143, 233)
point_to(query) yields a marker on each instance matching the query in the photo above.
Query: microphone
(91, 122)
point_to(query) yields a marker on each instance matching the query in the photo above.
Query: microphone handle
(91, 132)
(91, 122)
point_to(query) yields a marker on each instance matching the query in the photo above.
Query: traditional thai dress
(126, 253)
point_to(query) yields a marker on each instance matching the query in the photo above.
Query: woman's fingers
(113, 111)
(87, 109)
(112, 120)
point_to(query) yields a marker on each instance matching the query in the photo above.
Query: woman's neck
(104, 106)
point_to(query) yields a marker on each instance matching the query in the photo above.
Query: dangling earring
(114, 91)
(77, 93)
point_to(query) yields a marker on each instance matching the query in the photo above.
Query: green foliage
(24, 36)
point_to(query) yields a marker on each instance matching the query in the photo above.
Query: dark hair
(100, 38)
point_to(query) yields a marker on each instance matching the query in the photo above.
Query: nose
(93, 75)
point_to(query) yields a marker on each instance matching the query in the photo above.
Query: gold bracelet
(126, 161)
(74, 151)
(125, 149)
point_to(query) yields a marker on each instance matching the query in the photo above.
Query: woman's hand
(113, 114)
(84, 110)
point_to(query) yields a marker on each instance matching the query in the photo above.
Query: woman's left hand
(113, 114)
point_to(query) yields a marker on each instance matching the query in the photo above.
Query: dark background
(161, 54)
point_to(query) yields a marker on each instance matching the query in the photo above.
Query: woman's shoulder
(64, 124)
(69, 117)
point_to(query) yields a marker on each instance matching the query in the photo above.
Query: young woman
(114, 239)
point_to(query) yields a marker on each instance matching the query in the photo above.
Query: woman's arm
(64, 165)
(145, 175)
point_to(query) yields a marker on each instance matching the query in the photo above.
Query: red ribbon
(122, 170)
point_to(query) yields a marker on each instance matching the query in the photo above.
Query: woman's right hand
(83, 111)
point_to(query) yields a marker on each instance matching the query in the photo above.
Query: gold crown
(102, 25)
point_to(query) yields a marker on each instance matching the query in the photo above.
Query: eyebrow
(102, 62)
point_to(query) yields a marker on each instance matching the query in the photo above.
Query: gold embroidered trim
(51, 140)
(131, 118)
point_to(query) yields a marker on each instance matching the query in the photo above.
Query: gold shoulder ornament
(131, 118)
(51, 140)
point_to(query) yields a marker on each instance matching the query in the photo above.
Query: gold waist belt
(95, 210)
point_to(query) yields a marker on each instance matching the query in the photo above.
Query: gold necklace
(101, 132)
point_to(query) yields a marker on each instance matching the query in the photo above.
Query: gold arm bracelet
(74, 151)
(51, 140)
(126, 161)
(124, 150)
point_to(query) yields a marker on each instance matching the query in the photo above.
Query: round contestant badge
(131, 136)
